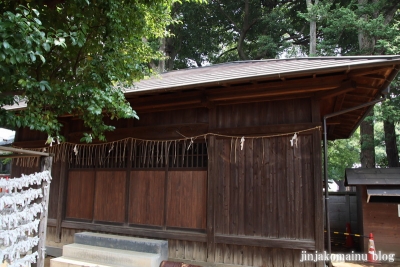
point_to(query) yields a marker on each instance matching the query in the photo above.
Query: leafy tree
(342, 154)
(72, 57)
(223, 31)
(365, 28)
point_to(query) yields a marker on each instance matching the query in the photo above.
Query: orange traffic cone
(372, 256)
(349, 237)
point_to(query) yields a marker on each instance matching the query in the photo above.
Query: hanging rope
(143, 152)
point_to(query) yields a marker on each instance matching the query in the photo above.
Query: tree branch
(228, 17)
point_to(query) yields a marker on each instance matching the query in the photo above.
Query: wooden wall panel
(194, 115)
(266, 189)
(109, 204)
(80, 195)
(257, 256)
(146, 199)
(187, 199)
(54, 188)
(264, 113)
(383, 221)
(187, 250)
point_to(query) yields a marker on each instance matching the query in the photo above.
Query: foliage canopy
(72, 57)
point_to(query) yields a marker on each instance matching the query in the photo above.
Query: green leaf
(6, 45)
(46, 46)
(33, 57)
(37, 21)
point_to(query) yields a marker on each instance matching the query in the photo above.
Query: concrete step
(110, 256)
(123, 242)
(68, 262)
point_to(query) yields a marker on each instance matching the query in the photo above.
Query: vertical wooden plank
(317, 174)
(171, 248)
(290, 212)
(273, 189)
(225, 189)
(247, 255)
(266, 205)
(237, 255)
(61, 206)
(258, 197)
(174, 188)
(281, 197)
(249, 187)
(234, 190)
(240, 159)
(110, 196)
(298, 192)
(188, 250)
(180, 253)
(228, 255)
(128, 177)
(219, 253)
(80, 190)
(315, 110)
(211, 194)
(257, 256)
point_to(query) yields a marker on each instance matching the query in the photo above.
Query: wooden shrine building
(378, 206)
(224, 162)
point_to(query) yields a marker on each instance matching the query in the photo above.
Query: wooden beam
(363, 72)
(137, 231)
(24, 152)
(266, 129)
(333, 122)
(169, 131)
(166, 100)
(274, 89)
(338, 106)
(265, 242)
(367, 87)
(264, 99)
(343, 89)
(13, 156)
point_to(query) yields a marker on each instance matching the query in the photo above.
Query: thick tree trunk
(313, 30)
(392, 152)
(367, 143)
(366, 43)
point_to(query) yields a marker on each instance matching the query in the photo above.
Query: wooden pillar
(210, 200)
(317, 172)
(62, 196)
(211, 179)
(61, 199)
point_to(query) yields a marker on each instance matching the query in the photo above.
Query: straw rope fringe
(146, 151)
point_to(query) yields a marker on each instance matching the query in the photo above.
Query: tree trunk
(366, 43)
(392, 152)
(367, 142)
(313, 29)
(161, 64)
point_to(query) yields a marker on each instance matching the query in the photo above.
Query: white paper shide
(21, 203)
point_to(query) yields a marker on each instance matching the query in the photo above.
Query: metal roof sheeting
(363, 176)
(251, 70)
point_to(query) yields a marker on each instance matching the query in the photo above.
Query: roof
(363, 176)
(337, 83)
(254, 70)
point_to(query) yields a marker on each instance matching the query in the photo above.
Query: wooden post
(46, 163)
(61, 198)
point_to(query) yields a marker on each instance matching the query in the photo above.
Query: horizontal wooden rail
(154, 233)
(303, 244)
